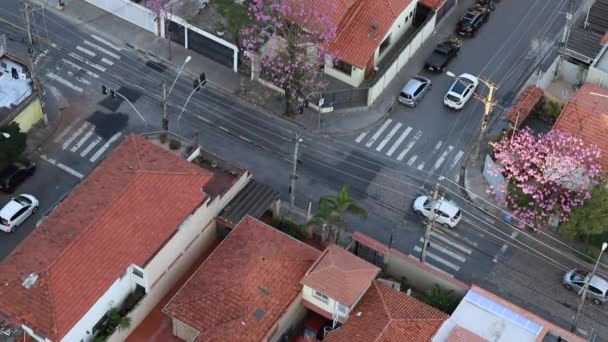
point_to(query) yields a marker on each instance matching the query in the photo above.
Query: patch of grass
(235, 16)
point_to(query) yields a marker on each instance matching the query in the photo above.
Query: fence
(343, 98)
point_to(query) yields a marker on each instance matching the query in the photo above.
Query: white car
(16, 211)
(461, 91)
(448, 214)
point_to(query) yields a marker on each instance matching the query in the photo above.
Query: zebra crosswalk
(80, 138)
(443, 252)
(397, 140)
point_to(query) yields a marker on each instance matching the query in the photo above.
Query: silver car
(598, 287)
(414, 90)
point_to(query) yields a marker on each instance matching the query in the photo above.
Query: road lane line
(409, 146)
(107, 61)
(78, 67)
(101, 40)
(451, 243)
(361, 136)
(90, 147)
(62, 166)
(399, 141)
(86, 51)
(456, 159)
(83, 140)
(412, 160)
(63, 81)
(104, 147)
(504, 247)
(389, 137)
(74, 135)
(378, 132)
(442, 157)
(85, 61)
(104, 50)
(438, 259)
(445, 251)
(65, 131)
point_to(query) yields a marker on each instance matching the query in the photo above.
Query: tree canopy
(12, 143)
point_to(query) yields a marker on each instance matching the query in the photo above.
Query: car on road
(15, 174)
(472, 20)
(17, 210)
(414, 90)
(461, 91)
(447, 213)
(598, 287)
(441, 56)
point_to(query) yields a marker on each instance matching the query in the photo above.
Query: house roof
(388, 315)
(245, 285)
(356, 40)
(584, 42)
(523, 105)
(586, 116)
(119, 215)
(460, 334)
(434, 4)
(340, 275)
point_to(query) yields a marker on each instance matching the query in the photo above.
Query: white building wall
(400, 26)
(356, 77)
(307, 294)
(129, 11)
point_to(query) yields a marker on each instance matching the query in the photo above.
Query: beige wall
(307, 295)
(292, 317)
(355, 79)
(30, 115)
(184, 331)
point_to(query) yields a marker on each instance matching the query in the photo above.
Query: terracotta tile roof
(524, 104)
(245, 286)
(370, 243)
(340, 275)
(604, 39)
(353, 43)
(586, 116)
(389, 315)
(434, 4)
(119, 215)
(460, 334)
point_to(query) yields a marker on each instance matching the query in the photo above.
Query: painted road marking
(83, 140)
(78, 132)
(378, 132)
(438, 259)
(104, 147)
(421, 166)
(361, 136)
(504, 247)
(389, 137)
(399, 141)
(101, 40)
(445, 251)
(104, 50)
(437, 146)
(86, 51)
(451, 243)
(85, 61)
(78, 67)
(90, 147)
(456, 159)
(412, 160)
(409, 146)
(107, 61)
(442, 157)
(460, 237)
(83, 81)
(64, 82)
(65, 131)
(62, 166)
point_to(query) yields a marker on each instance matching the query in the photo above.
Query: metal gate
(210, 48)
(369, 254)
(176, 33)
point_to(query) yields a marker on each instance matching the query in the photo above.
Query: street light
(585, 287)
(188, 58)
(6, 135)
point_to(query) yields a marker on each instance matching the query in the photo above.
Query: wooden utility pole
(487, 110)
(27, 15)
(294, 172)
(430, 224)
(165, 122)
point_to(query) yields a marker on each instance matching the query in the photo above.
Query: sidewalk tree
(548, 174)
(287, 40)
(163, 11)
(12, 143)
(333, 210)
(235, 16)
(589, 220)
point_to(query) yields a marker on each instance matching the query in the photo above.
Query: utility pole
(569, 22)
(294, 172)
(27, 13)
(487, 110)
(430, 222)
(585, 288)
(165, 122)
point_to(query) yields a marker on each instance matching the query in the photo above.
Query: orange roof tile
(119, 215)
(524, 104)
(586, 116)
(604, 39)
(245, 286)
(340, 275)
(388, 315)
(460, 334)
(434, 4)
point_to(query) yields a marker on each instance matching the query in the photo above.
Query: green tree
(333, 210)
(12, 143)
(589, 220)
(441, 299)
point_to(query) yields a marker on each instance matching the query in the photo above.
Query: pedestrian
(300, 108)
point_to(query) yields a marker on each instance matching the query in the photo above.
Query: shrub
(443, 300)
(288, 227)
(163, 137)
(174, 144)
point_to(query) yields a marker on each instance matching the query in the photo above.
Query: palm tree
(333, 210)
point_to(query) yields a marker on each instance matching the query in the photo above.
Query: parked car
(448, 214)
(15, 174)
(442, 55)
(598, 287)
(472, 20)
(414, 90)
(461, 91)
(16, 211)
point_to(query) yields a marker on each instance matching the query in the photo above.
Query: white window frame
(320, 296)
(343, 309)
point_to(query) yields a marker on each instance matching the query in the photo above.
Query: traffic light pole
(198, 83)
(165, 122)
(114, 93)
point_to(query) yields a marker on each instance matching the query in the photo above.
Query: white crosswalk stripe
(456, 159)
(361, 137)
(90, 147)
(442, 157)
(78, 68)
(399, 141)
(65, 131)
(101, 49)
(83, 139)
(104, 147)
(107, 61)
(85, 61)
(388, 137)
(86, 51)
(80, 136)
(75, 135)
(444, 250)
(371, 141)
(63, 81)
(439, 259)
(412, 160)
(421, 166)
(409, 146)
(101, 40)
(444, 239)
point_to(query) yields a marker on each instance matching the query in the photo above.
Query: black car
(15, 174)
(472, 21)
(442, 55)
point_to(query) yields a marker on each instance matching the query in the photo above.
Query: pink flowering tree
(548, 174)
(290, 39)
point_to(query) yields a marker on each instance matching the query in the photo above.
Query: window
(343, 67)
(341, 309)
(138, 272)
(407, 18)
(595, 290)
(385, 44)
(19, 213)
(320, 296)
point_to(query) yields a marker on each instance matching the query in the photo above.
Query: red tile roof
(604, 39)
(255, 271)
(340, 275)
(119, 215)
(460, 334)
(434, 4)
(353, 42)
(586, 116)
(389, 315)
(524, 104)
